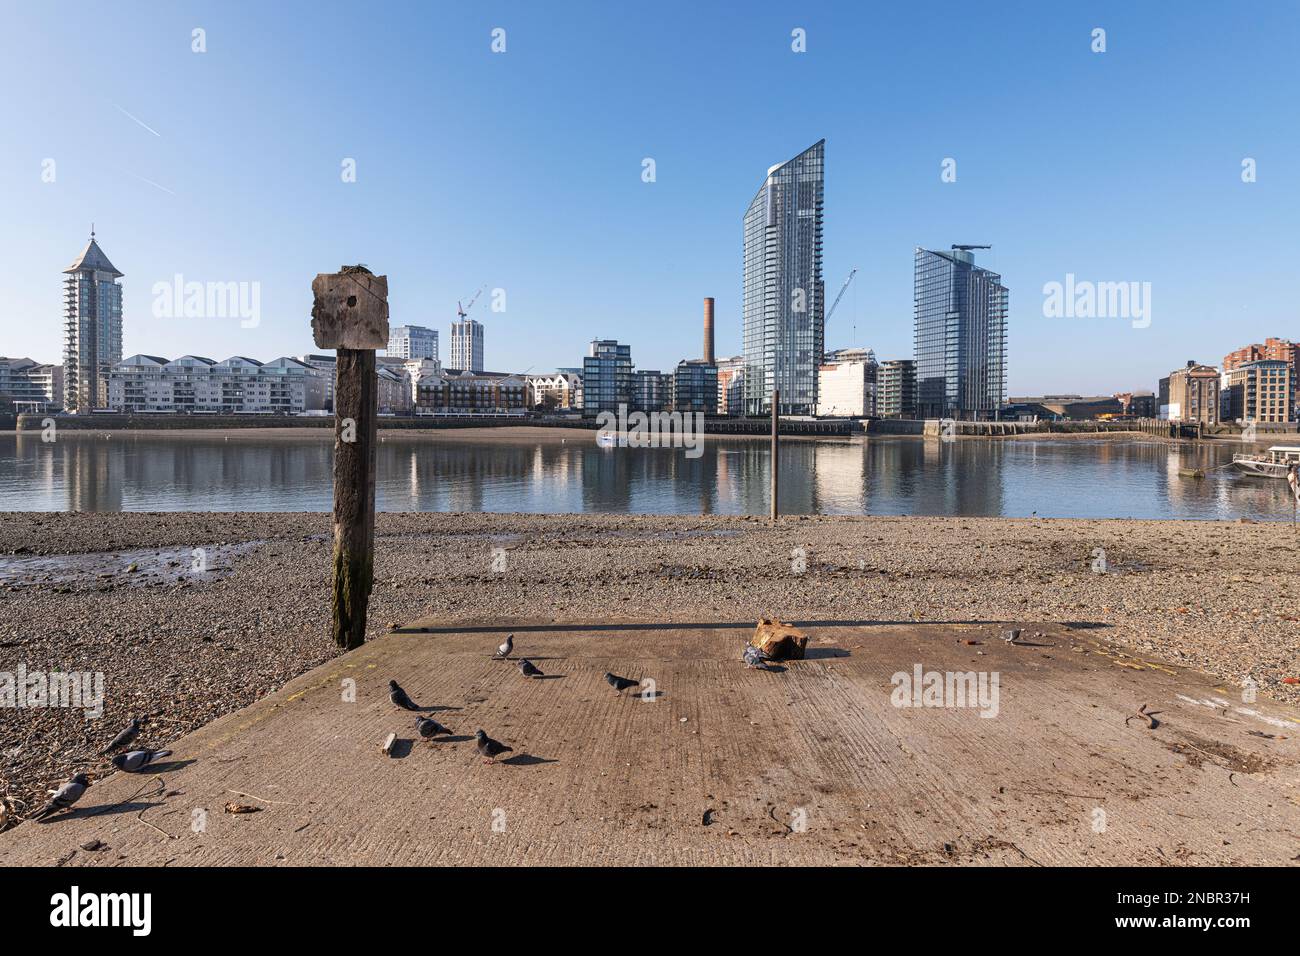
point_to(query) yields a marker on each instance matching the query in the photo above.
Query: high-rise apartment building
(606, 377)
(695, 387)
(896, 389)
(960, 313)
(467, 345)
(414, 342)
(783, 299)
(650, 391)
(92, 328)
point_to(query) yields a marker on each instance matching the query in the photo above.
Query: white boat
(1271, 464)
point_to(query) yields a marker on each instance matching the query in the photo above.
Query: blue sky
(522, 170)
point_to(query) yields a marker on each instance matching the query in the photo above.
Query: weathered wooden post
(776, 450)
(350, 313)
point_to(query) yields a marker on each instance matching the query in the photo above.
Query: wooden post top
(350, 309)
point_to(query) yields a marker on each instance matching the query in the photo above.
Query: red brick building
(1275, 350)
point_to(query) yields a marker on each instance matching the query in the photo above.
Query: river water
(144, 471)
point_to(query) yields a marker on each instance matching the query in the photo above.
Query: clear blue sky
(522, 170)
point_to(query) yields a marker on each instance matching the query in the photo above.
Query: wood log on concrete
(781, 642)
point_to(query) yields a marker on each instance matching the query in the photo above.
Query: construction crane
(969, 248)
(462, 311)
(840, 296)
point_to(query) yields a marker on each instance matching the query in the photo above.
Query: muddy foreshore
(185, 648)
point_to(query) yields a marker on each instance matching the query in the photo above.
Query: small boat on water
(1271, 464)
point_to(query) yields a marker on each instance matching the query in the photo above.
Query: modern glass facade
(783, 298)
(695, 388)
(960, 336)
(416, 342)
(92, 328)
(606, 377)
(648, 392)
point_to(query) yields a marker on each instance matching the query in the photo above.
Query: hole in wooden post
(352, 302)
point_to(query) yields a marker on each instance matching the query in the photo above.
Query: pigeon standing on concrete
(138, 759)
(131, 731)
(489, 748)
(528, 669)
(505, 647)
(399, 696)
(428, 728)
(64, 797)
(756, 657)
(620, 684)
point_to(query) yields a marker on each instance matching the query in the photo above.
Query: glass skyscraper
(784, 303)
(92, 328)
(960, 336)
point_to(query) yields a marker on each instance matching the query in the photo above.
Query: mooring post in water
(776, 449)
(350, 313)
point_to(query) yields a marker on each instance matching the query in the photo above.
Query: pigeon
(528, 669)
(756, 657)
(399, 697)
(620, 684)
(138, 759)
(489, 748)
(129, 734)
(65, 796)
(1011, 636)
(428, 728)
(504, 649)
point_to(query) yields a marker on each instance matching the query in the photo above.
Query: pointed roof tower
(92, 258)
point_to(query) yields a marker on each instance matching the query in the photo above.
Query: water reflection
(896, 476)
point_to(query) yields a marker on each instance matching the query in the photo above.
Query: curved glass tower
(784, 303)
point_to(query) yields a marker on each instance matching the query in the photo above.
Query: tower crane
(840, 296)
(462, 311)
(969, 248)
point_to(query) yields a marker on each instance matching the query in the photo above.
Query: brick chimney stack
(708, 331)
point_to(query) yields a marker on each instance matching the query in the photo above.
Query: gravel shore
(186, 648)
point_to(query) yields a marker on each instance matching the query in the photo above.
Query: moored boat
(1271, 464)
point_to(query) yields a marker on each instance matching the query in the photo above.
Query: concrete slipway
(725, 765)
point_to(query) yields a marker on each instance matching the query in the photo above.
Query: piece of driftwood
(781, 642)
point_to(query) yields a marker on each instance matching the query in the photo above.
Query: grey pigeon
(489, 748)
(528, 669)
(1011, 636)
(138, 759)
(756, 657)
(65, 796)
(428, 728)
(399, 697)
(129, 734)
(506, 647)
(620, 684)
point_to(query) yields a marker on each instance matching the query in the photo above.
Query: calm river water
(887, 476)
